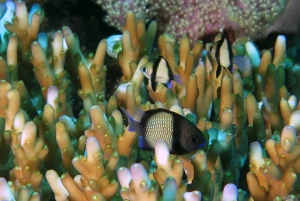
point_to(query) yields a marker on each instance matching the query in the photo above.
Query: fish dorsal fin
(224, 52)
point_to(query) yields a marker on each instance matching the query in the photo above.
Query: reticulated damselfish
(160, 71)
(180, 134)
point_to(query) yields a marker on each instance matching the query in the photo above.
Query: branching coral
(46, 146)
(278, 175)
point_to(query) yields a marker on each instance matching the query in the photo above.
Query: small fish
(159, 71)
(222, 52)
(180, 135)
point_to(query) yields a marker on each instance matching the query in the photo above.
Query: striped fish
(221, 52)
(180, 135)
(159, 71)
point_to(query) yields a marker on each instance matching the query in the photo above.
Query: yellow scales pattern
(160, 127)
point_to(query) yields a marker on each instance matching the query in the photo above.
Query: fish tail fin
(242, 62)
(169, 85)
(177, 79)
(132, 122)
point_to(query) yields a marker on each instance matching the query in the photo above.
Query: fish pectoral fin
(242, 62)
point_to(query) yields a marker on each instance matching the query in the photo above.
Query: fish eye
(144, 69)
(194, 139)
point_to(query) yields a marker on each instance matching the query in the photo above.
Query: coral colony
(249, 116)
(196, 18)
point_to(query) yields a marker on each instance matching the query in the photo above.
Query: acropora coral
(249, 118)
(197, 18)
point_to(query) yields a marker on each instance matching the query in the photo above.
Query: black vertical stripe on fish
(156, 66)
(153, 83)
(154, 72)
(177, 135)
(224, 45)
(218, 71)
